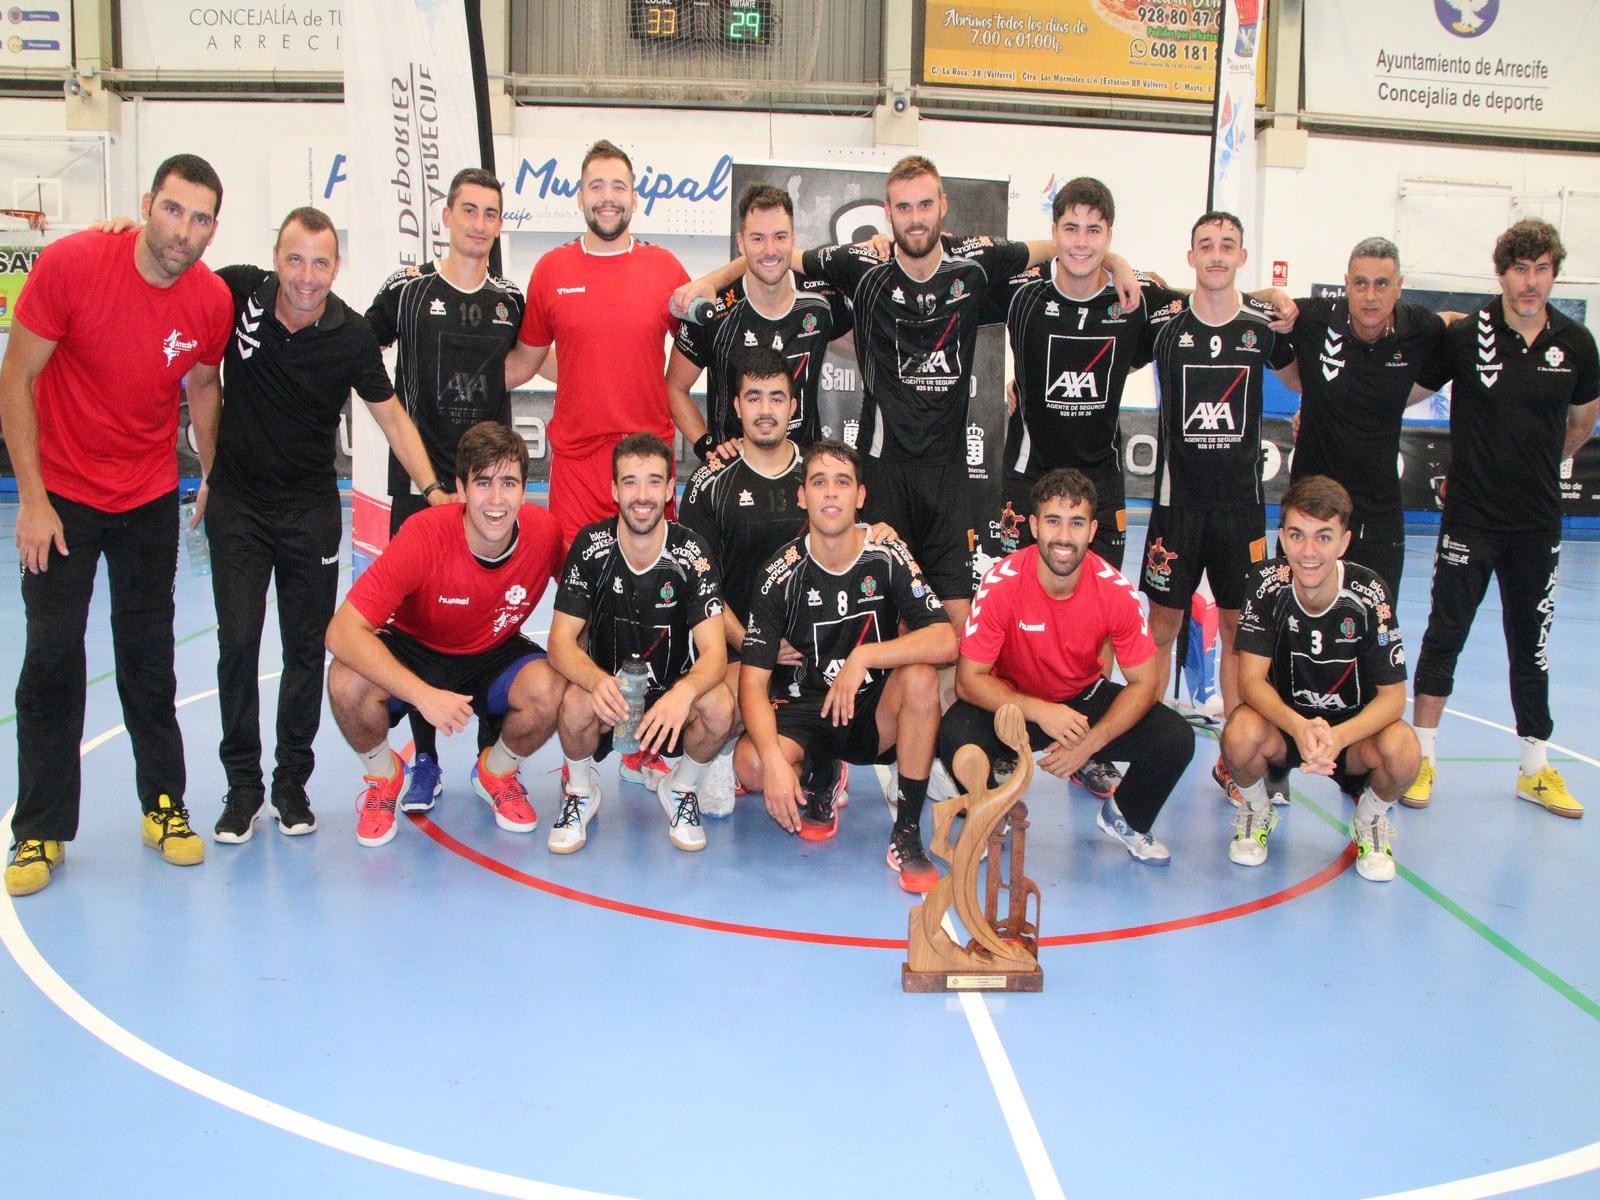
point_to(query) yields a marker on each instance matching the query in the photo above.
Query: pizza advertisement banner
(1160, 51)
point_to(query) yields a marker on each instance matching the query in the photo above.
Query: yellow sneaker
(31, 865)
(167, 830)
(1549, 789)
(1420, 793)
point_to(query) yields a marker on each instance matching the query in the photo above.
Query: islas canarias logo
(1467, 18)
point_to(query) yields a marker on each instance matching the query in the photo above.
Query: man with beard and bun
(917, 318)
(1209, 514)
(1360, 360)
(107, 329)
(1526, 391)
(1033, 639)
(434, 626)
(637, 584)
(1323, 680)
(602, 302)
(454, 324)
(762, 308)
(861, 691)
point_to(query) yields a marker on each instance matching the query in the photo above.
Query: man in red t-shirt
(1033, 638)
(107, 329)
(602, 300)
(434, 627)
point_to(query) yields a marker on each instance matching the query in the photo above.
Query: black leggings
(1157, 748)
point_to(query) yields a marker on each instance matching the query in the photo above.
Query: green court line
(1517, 955)
(111, 674)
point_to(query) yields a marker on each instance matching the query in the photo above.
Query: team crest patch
(1158, 560)
(1115, 310)
(809, 325)
(1347, 627)
(1248, 339)
(667, 592)
(957, 290)
(502, 312)
(869, 586)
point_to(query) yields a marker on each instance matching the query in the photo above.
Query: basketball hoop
(19, 220)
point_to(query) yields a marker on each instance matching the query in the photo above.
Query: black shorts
(486, 677)
(927, 506)
(802, 721)
(1350, 784)
(1111, 512)
(1181, 543)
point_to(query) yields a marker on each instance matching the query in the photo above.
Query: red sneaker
(506, 795)
(375, 804)
(646, 767)
(1224, 779)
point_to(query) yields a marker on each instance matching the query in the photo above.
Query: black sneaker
(238, 819)
(819, 820)
(907, 857)
(294, 813)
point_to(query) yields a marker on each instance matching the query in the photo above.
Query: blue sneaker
(426, 785)
(1142, 846)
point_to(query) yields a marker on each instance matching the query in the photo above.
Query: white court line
(209, 1087)
(1512, 731)
(1019, 1120)
(1025, 1137)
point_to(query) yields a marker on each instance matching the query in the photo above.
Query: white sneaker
(1145, 847)
(1250, 830)
(716, 786)
(1374, 841)
(683, 816)
(571, 830)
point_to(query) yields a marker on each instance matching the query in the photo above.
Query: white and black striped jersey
(1208, 454)
(745, 517)
(825, 616)
(651, 613)
(915, 341)
(817, 315)
(450, 371)
(1328, 664)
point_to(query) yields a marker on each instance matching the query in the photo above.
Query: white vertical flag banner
(1233, 130)
(411, 122)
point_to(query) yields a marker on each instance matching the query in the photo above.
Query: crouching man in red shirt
(1033, 639)
(434, 627)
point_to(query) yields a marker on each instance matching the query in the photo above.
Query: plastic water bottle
(633, 681)
(195, 540)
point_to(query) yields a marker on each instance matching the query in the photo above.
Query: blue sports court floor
(463, 1013)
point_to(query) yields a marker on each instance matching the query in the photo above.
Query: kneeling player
(1033, 639)
(1322, 678)
(638, 584)
(863, 692)
(432, 627)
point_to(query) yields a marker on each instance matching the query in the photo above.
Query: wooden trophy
(1002, 954)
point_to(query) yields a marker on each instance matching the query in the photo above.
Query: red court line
(1328, 873)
